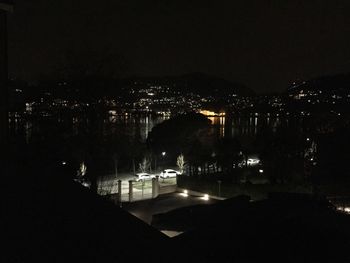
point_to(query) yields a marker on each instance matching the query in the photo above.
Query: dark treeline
(307, 151)
(314, 151)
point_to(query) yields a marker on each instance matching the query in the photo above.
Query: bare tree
(180, 162)
(144, 165)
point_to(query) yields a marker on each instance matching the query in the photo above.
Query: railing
(130, 191)
(107, 187)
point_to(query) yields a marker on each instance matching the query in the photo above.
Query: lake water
(138, 126)
(123, 135)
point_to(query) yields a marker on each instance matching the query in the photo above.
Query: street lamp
(155, 160)
(205, 197)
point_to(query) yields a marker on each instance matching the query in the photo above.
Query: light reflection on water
(135, 126)
(140, 126)
(244, 126)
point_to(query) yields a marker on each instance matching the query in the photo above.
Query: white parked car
(144, 176)
(168, 173)
(250, 162)
(253, 161)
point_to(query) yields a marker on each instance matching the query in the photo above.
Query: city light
(185, 193)
(261, 171)
(163, 153)
(212, 113)
(344, 209)
(205, 197)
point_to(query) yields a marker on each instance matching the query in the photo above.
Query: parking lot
(142, 188)
(163, 203)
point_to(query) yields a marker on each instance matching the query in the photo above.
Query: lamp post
(163, 154)
(155, 163)
(143, 185)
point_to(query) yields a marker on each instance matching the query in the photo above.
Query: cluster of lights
(212, 113)
(344, 209)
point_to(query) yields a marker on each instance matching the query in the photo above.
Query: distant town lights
(212, 113)
(344, 209)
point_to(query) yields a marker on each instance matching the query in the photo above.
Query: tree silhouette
(180, 162)
(228, 154)
(176, 135)
(281, 152)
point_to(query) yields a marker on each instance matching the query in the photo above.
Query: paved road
(109, 184)
(163, 203)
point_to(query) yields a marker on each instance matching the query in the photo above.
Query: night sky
(263, 44)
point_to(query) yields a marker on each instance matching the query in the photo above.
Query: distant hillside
(8, 2)
(199, 83)
(211, 85)
(329, 84)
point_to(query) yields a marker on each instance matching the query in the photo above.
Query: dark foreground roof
(6, 5)
(56, 220)
(280, 229)
(46, 218)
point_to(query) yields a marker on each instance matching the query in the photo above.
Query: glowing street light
(163, 153)
(206, 197)
(185, 193)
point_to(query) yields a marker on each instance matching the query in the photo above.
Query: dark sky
(262, 43)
